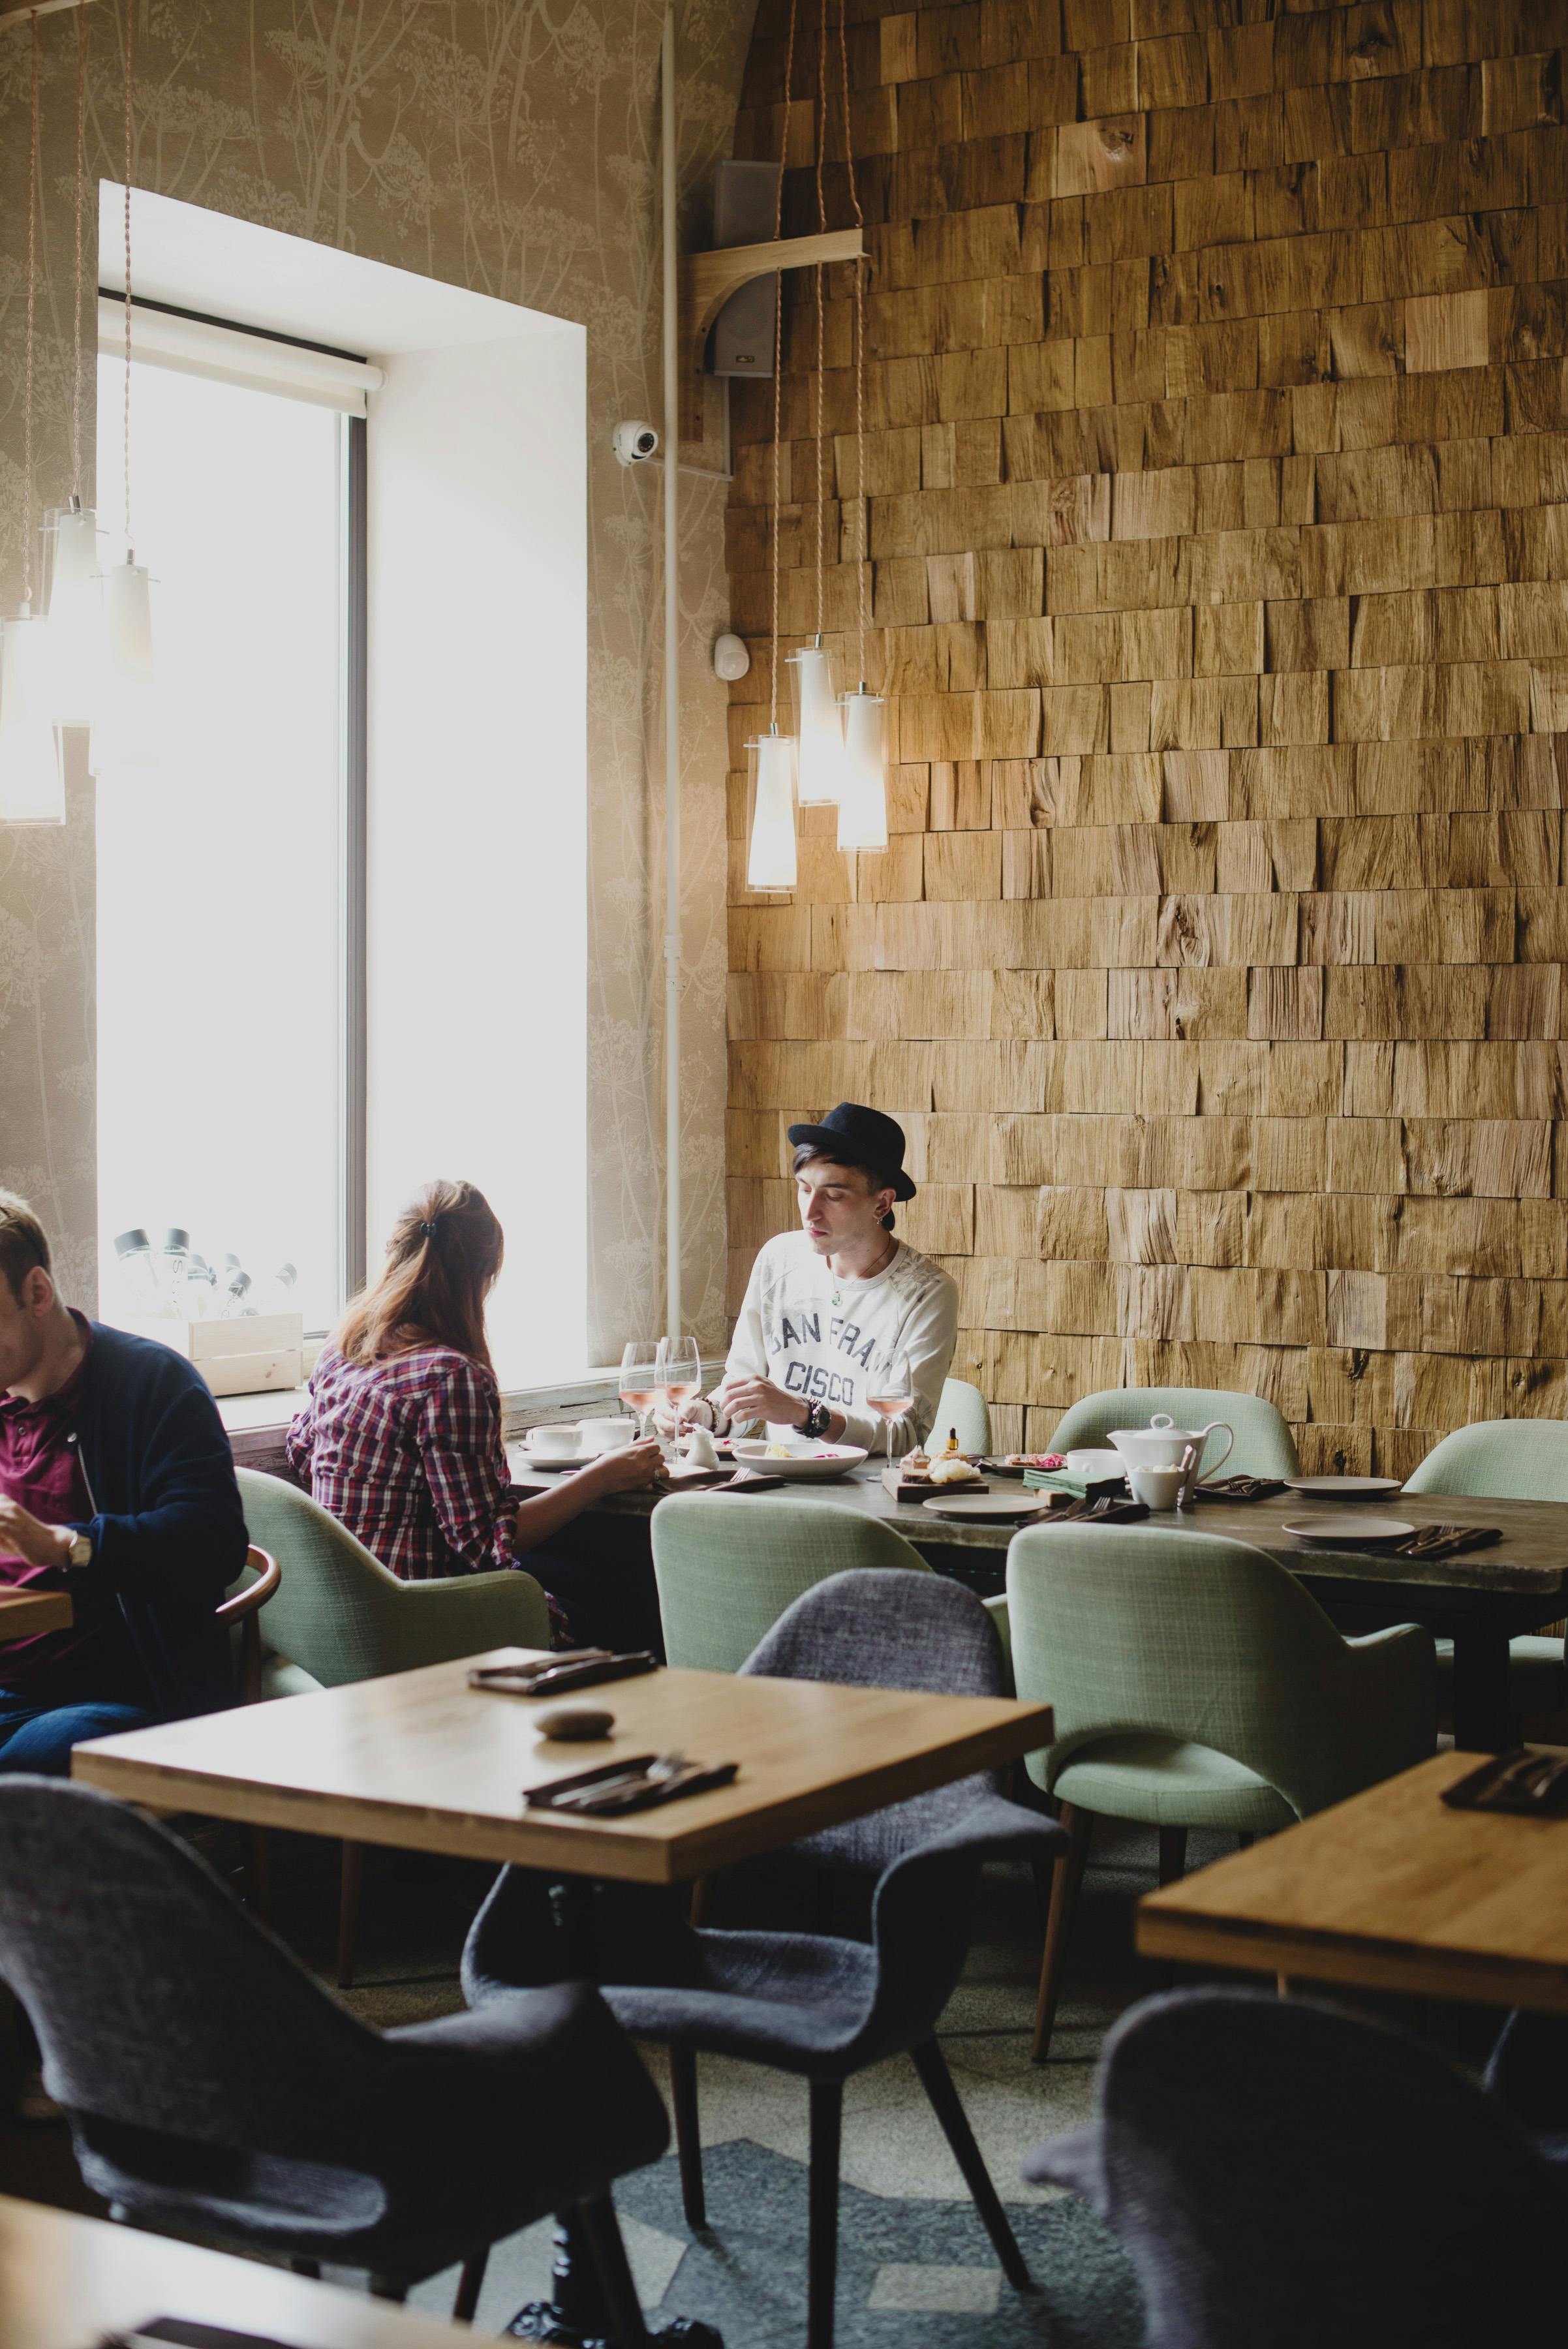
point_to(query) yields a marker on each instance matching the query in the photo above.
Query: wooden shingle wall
(1217, 471)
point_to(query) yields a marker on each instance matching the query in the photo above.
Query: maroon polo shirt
(41, 1468)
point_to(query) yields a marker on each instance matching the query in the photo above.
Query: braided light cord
(130, 37)
(860, 342)
(32, 315)
(77, 386)
(821, 349)
(778, 372)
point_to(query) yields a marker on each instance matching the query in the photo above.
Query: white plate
(799, 1467)
(1350, 1529)
(1345, 1488)
(997, 1506)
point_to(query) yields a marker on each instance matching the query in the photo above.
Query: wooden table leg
(1481, 1709)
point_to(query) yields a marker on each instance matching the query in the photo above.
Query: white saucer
(1351, 1530)
(571, 1459)
(1345, 1488)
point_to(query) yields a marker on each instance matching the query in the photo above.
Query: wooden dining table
(25, 1613)
(1480, 1599)
(1391, 1891)
(66, 2282)
(423, 1761)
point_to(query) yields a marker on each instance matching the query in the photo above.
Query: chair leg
(701, 1901)
(311, 2268)
(688, 2136)
(389, 2287)
(822, 2253)
(470, 2284)
(352, 1884)
(1064, 1884)
(601, 2233)
(1172, 1855)
(938, 2082)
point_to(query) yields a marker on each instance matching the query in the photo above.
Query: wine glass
(640, 1379)
(891, 1395)
(678, 1371)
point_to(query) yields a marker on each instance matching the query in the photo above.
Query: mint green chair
(1264, 1446)
(1507, 1460)
(727, 1567)
(338, 1615)
(961, 1411)
(1196, 1685)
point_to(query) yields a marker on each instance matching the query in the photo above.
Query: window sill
(257, 1423)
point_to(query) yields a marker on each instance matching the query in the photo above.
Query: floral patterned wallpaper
(510, 146)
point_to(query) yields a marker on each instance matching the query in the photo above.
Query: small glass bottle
(172, 1262)
(138, 1274)
(278, 1290)
(236, 1294)
(201, 1290)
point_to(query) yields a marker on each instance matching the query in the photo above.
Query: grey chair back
(1283, 2174)
(881, 1628)
(157, 2002)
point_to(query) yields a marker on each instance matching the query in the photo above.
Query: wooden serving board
(900, 1487)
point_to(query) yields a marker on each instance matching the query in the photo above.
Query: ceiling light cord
(130, 40)
(778, 374)
(78, 401)
(27, 364)
(818, 417)
(859, 343)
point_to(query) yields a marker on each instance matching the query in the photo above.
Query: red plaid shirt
(408, 1455)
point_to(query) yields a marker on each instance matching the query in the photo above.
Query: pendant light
(75, 574)
(32, 779)
(771, 855)
(819, 725)
(863, 806)
(125, 733)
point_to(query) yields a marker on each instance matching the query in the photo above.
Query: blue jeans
(40, 1737)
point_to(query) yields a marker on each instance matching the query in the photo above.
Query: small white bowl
(1093, 1464)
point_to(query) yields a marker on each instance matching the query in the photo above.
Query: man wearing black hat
(835, 1312)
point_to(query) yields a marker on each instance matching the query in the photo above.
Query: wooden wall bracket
(707, 280)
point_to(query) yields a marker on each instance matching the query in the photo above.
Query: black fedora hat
(861, 1137)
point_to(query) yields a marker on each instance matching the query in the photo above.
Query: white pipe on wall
(672, 694)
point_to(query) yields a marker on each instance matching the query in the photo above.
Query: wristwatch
(80, 1552)
(814, 1426)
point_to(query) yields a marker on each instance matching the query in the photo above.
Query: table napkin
(1448, 1541)
(1238, 1488)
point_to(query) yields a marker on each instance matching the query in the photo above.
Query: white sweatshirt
(832, 1341)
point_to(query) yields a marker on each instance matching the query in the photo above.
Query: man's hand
(24, 1536)
(748, 1399)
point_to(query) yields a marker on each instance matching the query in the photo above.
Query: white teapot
(1163, 1444)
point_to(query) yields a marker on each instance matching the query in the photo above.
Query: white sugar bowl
(1163, 1444)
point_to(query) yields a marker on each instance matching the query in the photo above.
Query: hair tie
(430, 1229)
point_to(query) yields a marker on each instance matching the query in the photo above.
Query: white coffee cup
(555, 1442)
(1157, 1488)
(605, 1435)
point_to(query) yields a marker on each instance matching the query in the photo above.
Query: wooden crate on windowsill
(249, 1356)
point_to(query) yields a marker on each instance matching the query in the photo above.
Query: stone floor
(916, 2267)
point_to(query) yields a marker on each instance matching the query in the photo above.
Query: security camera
(635, 443)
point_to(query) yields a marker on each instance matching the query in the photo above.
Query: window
(343, 930)
(221, 871)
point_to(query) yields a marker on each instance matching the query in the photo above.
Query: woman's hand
(629, 1468)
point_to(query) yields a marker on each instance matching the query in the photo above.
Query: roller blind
(224, 354)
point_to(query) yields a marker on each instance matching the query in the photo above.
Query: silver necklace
(880, 1266)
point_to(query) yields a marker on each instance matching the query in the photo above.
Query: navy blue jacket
(168, 1529)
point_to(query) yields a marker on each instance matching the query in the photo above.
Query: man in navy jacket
(117, 1482)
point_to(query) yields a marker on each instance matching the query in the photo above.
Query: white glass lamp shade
(863, 805)
(32, 777)
(76, 615)
(771, 853)
(819, 729)
(124, 729)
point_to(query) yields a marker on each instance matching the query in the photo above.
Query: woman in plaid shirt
(400, 1437)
